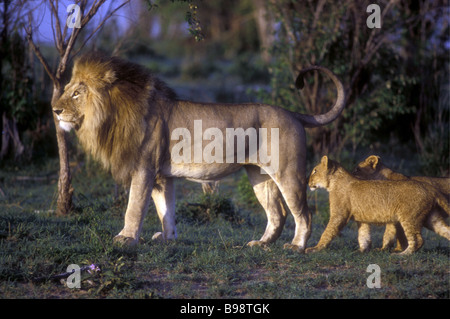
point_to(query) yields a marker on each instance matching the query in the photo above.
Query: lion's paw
(257, 243)
(121, 240)
(403, 253)
(158, 236)
(313, 249)
(295, 248)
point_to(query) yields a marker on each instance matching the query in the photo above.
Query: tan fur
(373, 168)
(402, 203)
(125, 116)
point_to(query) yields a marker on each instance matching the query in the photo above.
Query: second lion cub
(373, 168)
(403, 203)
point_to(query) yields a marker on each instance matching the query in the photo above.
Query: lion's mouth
(66, 126)
(69, 125)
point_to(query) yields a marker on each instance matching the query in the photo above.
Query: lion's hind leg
(435, 221)
(413, 236)
(364, 239)
(389, 237)
(270, 198)
(294, 194)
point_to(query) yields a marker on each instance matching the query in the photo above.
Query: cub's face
(70, 108)
(319, 177)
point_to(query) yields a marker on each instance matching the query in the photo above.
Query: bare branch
(37, 51)
(372, 47)
(92, 11)
(56, 33)
(100, 25)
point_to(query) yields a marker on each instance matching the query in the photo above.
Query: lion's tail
(331, 115)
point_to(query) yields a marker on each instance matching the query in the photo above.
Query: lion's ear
(324, 160)
(109, 77)
(373, 161)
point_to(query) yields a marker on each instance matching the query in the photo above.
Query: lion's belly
(200, 172)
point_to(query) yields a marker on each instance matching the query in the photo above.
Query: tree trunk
(11, 138)
(264, 22)
(65, 190)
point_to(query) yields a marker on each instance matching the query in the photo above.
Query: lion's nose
(58, 111)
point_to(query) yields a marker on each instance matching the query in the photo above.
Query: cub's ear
(324, 161)
(373, 161)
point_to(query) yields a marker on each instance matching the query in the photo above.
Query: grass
(208, 260)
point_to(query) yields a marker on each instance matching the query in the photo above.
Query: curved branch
(37, 51)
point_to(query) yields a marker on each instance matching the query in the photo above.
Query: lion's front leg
(333, 228)
(163, 195)
(140, 190)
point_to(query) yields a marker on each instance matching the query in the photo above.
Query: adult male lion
(126, 118)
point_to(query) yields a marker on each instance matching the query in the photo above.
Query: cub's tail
(331, 115)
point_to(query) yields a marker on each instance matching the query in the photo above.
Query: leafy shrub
(207, 208)
(246, 195)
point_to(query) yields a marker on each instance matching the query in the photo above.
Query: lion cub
(373, 168)
(404, 203)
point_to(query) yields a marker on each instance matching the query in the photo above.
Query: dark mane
(122, 98)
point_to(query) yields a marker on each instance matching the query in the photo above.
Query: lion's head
(369, 168)
(109, 101)
(320, 175)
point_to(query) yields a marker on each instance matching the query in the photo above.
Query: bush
(246, 195)
(207, 208)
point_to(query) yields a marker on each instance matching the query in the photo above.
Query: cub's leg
(435, 221)
(335, 224)
(364, 239)
(163, 195)
(389, 237)
(141, 187)
(402, 242)
(412, 233)
(270, 198)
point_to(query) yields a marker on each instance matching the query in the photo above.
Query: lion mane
(119, 104)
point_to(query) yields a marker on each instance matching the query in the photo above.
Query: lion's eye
(75, 94)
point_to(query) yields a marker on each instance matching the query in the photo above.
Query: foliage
(246, 195)
(382, 70)
(207, 208)
(17, 82)
(191, 17)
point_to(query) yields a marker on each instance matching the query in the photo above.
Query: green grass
(208, 260)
